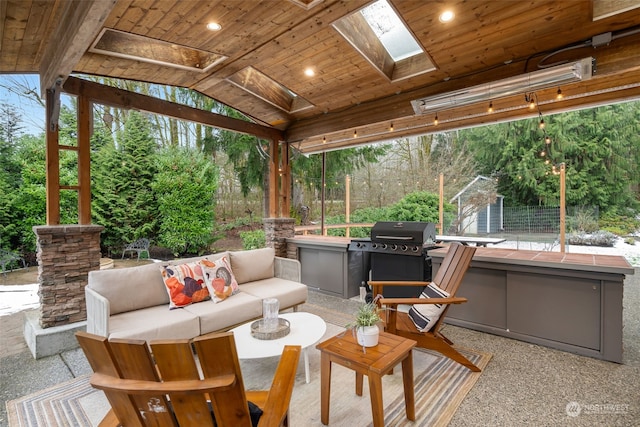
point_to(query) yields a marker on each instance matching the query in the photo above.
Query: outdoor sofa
(134, 303)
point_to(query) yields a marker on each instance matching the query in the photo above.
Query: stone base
(50, 341)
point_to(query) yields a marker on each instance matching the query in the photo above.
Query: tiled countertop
(570, 261)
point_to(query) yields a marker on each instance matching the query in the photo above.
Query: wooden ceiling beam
(575, 99)
(79, 25)
(610, 61)
(120, 98)
(3, 17)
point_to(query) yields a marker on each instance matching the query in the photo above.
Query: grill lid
(410, 232)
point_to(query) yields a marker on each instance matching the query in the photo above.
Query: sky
(31, 113)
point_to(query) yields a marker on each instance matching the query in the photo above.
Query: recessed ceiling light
(446, 16)
(309, 72)
(214, 26)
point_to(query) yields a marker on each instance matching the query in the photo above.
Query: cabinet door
(486, 294)
(557, 308)
(323, 269)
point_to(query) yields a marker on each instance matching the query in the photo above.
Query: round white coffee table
(306, 329)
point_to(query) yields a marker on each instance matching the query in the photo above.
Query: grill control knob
(374, 246)
(414, 249)
(384, 246)
(394, 247)
(404, 248)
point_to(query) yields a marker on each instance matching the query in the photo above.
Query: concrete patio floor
(523, 385)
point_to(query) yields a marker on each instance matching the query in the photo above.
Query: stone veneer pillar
(277, 231)
(66, 254)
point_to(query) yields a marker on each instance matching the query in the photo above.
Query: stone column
(66, 254)
(276, 232)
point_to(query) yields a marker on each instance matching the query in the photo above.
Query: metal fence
(545, 219)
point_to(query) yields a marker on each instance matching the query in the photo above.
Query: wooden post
(562, 206)
(441, 204)
(285, 211)
(273, 179)
(52, 158)
(85, 120)
(347, 204)
(323, 230)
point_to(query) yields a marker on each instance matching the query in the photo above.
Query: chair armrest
(287, 268)
(143, 387)
(277, 404)
(98, 312)
(411, 301)
(384, 283)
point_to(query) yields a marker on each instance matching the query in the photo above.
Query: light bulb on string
(435, 120)
(490, 109)
(559, 94)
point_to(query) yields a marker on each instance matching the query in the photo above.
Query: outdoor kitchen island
(571, 301)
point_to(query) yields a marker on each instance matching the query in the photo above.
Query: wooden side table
(374, 363)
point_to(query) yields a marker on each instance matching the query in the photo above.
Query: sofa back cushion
(255, 264)
(130, 289)
(133, 288)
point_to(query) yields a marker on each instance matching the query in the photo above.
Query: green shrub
(253, 239)
(583, 221)
(630, 241)
(626, 222)
(615, 230)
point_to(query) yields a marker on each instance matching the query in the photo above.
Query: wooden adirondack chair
(160, 384)
(448, 278)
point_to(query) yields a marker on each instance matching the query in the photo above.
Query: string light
(490, 109)
(324, 139)
(355, 133)
(547, 140)
(435, 120)
(559, 94)
(391, 127)
(541, 123)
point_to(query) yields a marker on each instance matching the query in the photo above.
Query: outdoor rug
(440, 387)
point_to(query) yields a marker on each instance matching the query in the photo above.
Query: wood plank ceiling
(256, 62)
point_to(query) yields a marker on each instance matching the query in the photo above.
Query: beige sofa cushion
(155, 323)
(236, 309)
(256, 264)
(287, 292)
(129, 289)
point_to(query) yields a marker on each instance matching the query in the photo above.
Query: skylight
(390, 30)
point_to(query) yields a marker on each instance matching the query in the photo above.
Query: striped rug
(440, 387)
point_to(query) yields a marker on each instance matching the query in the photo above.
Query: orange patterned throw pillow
(219, 278)
(185, 284)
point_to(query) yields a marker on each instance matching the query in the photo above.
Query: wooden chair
(164, 384)
(448, 278)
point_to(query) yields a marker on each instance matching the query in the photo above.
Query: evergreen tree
(185, 186)
(600, 148)
(123, 200)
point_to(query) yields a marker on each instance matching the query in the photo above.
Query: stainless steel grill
(398, 251)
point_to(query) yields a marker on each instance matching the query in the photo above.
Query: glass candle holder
(270, 309)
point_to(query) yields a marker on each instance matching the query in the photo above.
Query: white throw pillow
(424, 316)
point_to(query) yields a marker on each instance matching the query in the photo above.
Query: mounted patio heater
(529, 82)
